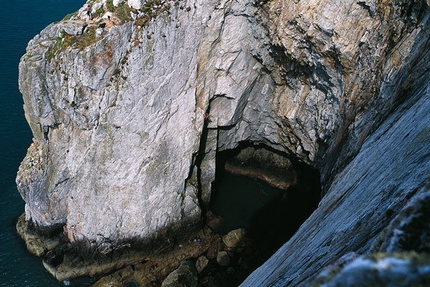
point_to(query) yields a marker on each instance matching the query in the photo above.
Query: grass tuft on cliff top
(121, 14)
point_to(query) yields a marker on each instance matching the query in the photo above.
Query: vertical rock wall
(116, 127)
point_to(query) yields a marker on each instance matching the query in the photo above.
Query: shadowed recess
(265, 192)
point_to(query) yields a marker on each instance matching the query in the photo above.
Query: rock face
(392, 270)
(117, 115)
(392, 165)
(407, 261)
(127, 122)
(185, 275)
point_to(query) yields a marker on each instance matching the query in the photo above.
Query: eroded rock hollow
(132, 102)
(265, 192)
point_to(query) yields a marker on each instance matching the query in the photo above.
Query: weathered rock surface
(223, 258)
(155, 268)
(275, 169)
(35, 243)
(201, 263)
(122, 149)
(384, 270)
(185, 275)
(392, 166)
(234, 239)
(158, 264)
(402, 258)
(100, 115)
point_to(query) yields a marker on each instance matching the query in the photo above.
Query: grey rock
(409, 230)
(405, 260)
(73, 27)
(185, 275)
(99, 115)
(383, 270)
(360, 203)
(117, 2)
(137, 4)
(201, 263)
(99, 32)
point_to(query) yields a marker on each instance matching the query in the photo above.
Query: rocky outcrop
(274, 169)
(36, 243)
(183, 265)
(392, 164)
(130, 107)
(185, 275)
(405, 261)
(93, 114)
(382, 270)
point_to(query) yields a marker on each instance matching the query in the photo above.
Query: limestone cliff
(116, 98)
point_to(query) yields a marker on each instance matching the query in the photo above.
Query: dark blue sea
(21, 20)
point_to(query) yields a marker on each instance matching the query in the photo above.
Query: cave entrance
(265, 192)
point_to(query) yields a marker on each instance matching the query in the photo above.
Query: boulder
(223, 258)
(185, 275)
(201, 263)
(73, 27)
(136, 4)
(234, 239)
(117, 2)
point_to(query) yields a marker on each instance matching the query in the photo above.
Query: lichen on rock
(406, 269)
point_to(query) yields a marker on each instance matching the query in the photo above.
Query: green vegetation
(120, 15)
(86, 39)
(109, 6)
(69, 16)
(56, 49)
(123, 12)
(99, 12)
(79, 42)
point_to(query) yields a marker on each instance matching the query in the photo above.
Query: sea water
(20, 21)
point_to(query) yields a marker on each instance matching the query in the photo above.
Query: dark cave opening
(266, 193)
